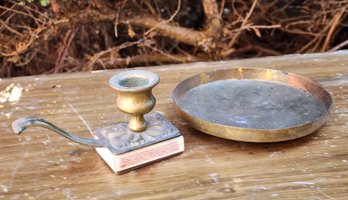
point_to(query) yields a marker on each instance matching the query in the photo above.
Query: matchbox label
(149, 154)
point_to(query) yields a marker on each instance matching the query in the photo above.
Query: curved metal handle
(21, 124)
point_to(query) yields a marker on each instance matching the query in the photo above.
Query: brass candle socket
(135, 95)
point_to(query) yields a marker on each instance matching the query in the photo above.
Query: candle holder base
(126, 149)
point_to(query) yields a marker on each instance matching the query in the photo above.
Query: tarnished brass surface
(119, 139)
(135, 95)
(252, 104)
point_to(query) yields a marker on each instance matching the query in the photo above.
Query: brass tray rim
(321, 120)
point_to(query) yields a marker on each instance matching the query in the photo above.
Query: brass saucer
(252, 104)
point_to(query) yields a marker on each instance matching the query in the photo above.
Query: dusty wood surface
(42, 165)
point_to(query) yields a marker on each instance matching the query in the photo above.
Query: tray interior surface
(255, 104)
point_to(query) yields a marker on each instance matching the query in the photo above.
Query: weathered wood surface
(42, 165)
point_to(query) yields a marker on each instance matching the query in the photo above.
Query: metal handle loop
(21, 124)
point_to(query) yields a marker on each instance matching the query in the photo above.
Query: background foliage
(51, 36)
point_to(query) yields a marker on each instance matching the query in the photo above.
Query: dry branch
(87, 35)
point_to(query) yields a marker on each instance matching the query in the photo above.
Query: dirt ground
(43, 37)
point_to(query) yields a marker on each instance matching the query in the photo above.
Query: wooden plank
(43, 165)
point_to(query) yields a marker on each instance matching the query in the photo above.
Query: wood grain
(42, 165)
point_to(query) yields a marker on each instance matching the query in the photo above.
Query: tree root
(80, 35)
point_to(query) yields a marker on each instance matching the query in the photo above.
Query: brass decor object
(252, 104)
(127, 145)
(135, 95)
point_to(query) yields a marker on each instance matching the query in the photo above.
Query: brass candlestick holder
(135, 95)
(127, 145)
